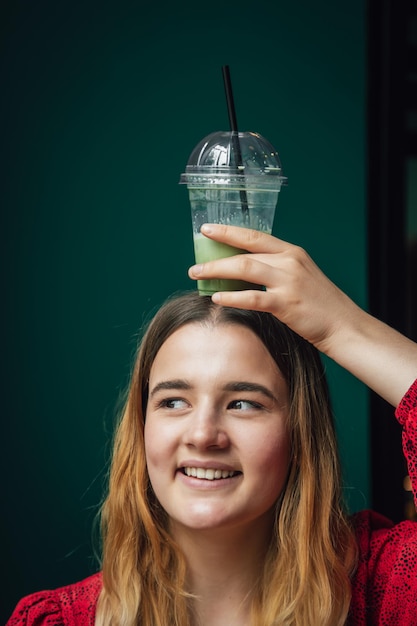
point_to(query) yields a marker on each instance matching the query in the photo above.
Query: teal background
(101, 104)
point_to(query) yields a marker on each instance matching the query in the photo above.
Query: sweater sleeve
(384, 587)
(38, 608)
(406, 414)
(73, 605)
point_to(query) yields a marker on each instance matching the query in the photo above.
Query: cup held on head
(231, 183)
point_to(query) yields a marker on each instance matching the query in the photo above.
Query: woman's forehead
(198, 349)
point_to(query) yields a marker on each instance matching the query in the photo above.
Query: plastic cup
(232, 178)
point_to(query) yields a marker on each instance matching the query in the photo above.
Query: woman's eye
(244, 405)
(173, 403)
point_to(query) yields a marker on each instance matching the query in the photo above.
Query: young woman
(224, 504)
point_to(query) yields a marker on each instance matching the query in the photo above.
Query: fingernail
(196, 269)
(206, 229)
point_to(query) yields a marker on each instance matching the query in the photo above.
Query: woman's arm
(301, 296)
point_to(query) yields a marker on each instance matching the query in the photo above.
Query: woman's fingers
(266, 253)
(251, 300)
(247, 267)
(244, 238)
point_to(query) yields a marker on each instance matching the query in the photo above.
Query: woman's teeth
(208, 474)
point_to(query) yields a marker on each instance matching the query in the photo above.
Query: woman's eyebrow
(247, 386)
(176, 383)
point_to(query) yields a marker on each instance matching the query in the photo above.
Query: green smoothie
(209, 250)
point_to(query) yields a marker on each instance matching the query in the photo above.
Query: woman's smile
(197, 477)
(208, 474)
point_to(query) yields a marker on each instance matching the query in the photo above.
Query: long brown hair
(306, 577)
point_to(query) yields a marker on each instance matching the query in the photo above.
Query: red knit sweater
(384, 588)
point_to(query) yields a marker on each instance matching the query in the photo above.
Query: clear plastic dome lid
(225, 157)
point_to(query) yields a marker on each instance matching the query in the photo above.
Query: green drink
(237, 190)
(208, 250)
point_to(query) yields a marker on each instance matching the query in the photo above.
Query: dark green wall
(101, 104)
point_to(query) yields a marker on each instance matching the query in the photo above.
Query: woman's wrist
(378, 355)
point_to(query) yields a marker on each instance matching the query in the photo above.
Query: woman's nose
(206, 429)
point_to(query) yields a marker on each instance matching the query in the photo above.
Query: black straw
(229, 98)
(235, 132)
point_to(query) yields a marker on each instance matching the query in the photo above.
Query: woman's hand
(301, 296)
(297, 291)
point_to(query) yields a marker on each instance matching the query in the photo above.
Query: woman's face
(216, 439)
